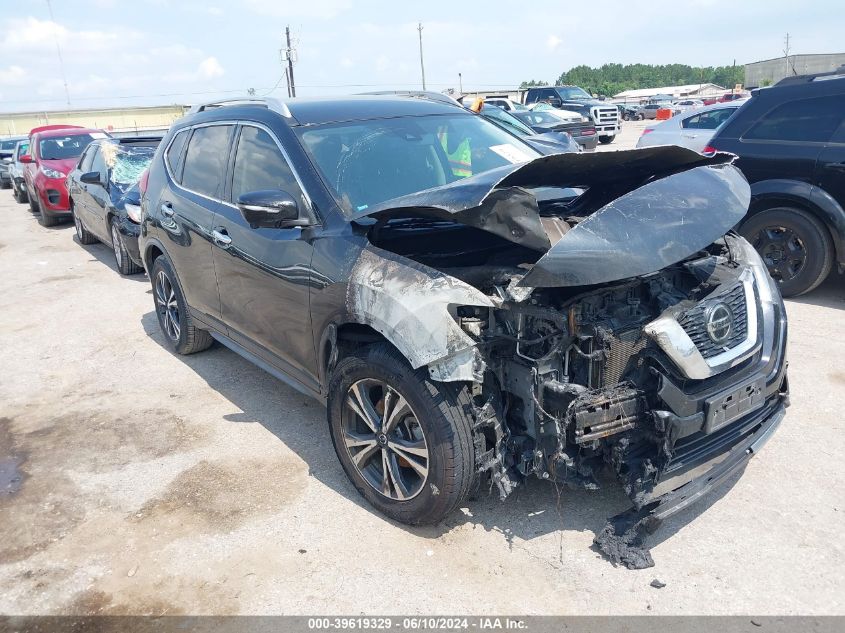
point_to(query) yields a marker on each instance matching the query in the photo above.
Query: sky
(150, 52)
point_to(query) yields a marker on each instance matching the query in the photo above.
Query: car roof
(317, 111)
(67, 131)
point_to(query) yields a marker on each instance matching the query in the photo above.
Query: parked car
(54, 150)
(733, 96)
(7, 152)
(575, 99)
(504, 103)
(16, 171)
(104, 197)
(542, 122)
(546, 143)
(790, 139)
(466, 318)
(683, 105)
(692, 129)
(649, 111)
(629, 111)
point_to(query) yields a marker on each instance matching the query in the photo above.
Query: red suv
(54, 151)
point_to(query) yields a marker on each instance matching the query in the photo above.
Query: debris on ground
(622, 539)
(657, 584)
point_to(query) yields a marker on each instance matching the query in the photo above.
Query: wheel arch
(768, 194)
(152, 251)
(338, 337)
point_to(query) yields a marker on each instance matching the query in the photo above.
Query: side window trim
(188, 132)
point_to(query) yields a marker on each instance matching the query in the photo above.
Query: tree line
(611, 79)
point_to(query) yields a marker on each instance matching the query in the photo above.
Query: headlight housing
(51, 173)
(133, 211)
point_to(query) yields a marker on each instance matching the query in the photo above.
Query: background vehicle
(692, 129)
(366, 251)
(104, 198)
(686, 104)
(504, 103)
(604, 115)
(54, 150)
(546, 143)
(790, 139)
(649, 111)
(542, 122)
(733, 96)
(16, 168)
(7, 151)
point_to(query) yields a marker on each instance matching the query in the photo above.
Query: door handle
(167, 210)
(221, 238)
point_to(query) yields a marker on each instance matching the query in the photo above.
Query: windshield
(126, 163)
(59, 147)
(7, 146)
(573, 93)
(23, 148)
(543, 117)
(368, 162)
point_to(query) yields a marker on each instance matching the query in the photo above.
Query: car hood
(64, 165)
(654, 207)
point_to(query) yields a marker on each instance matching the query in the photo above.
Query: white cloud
(552, 42)
(347, 63)
(215, 11)
(210, 68)
(323, 9)
(12, 75)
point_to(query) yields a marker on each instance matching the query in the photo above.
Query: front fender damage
(409, 304)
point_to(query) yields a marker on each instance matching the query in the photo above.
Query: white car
(692, 129)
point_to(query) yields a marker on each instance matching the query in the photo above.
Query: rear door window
(708, 120)
(87, 158)
(805, 120)
(205, 160)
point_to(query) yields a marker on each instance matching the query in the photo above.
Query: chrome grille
(693, 322)
(606, 116)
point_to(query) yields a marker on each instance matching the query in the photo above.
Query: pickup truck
(605, 115)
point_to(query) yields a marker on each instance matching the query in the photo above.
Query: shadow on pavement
(830, 294)
(535, 508)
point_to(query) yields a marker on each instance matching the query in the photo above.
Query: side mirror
(555, 103)
(271, 209)
(92, 178)
(25, 158)
(7, 160)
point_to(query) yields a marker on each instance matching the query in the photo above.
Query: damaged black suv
(466, 308)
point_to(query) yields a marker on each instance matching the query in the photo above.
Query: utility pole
(422, 66)
(786, 55)
(460, 84)
(290, 54)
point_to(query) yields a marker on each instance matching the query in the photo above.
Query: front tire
(125, 265)
(403, 440)
(46, 219)
(795, 246)
(180, 332)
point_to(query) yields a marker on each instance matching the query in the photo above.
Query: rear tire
(125, 265)
(436, 422)
(606, 140)
(795, 246)
(33, 202)
(174, 318)
(82, 234)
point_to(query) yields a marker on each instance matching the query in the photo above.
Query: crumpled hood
(655, 206)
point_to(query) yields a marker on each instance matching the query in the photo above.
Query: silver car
(692, 129)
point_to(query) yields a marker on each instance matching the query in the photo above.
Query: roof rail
(800, 79)
(271, 103)
(431, 95)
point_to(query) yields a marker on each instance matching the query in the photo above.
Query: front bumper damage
(594, 354)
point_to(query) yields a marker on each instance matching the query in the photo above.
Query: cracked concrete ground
(150, 483)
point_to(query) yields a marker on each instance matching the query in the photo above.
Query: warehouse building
(117, 121)
(770, 71)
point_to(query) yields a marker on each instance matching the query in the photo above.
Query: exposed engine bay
(624, 335)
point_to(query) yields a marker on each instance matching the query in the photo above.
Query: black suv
(462, 310)
(790, 140)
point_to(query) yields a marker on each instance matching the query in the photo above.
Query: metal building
(771, 71)
(118, 121)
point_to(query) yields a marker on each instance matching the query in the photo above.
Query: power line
(58, 50)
